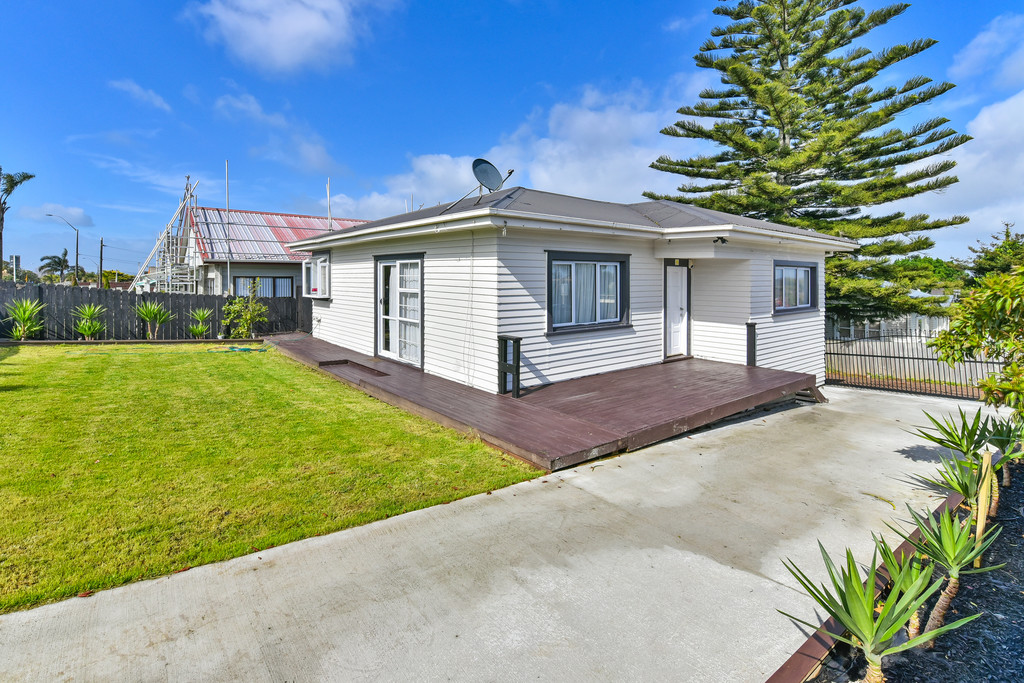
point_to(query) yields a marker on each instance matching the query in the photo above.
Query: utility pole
(99, 283)
(53, 215)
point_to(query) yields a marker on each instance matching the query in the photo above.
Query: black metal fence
(285, 314)
(902, 362)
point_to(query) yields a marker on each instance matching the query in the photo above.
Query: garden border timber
(100, 342)
(807, 660)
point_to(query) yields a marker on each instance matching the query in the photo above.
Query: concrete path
(661, 564)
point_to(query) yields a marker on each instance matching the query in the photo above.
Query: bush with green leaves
(202, 322)
(89, 324)
(243, 313)
(154, 315)
(851, 601)
(25, 314)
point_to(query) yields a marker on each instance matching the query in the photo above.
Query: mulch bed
(990, 648)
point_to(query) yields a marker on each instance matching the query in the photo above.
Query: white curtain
(609, 291)
(586, 292)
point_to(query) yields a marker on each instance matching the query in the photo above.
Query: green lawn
(121, 463)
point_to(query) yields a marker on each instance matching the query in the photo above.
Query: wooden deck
(563, 424)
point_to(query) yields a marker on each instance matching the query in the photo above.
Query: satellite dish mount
(488, 176)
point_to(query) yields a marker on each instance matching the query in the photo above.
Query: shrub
(242, 313)
(89, 324)
(25, 315)
(154, 315)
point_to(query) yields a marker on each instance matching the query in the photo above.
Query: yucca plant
(950, 544)
(960, 476)
(24, 313)
(969, 437)
(872, 627)
(1007, 435)
(908, 568)
(202, 326)
(154, 315)
(89, 324)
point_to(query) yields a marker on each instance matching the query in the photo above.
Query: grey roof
(662, 214)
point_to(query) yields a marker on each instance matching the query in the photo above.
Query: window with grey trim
(268, 286)
(586, 289)
(796, 287)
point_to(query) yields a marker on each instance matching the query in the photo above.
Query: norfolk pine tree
(809, 142)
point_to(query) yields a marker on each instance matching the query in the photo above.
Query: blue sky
(111, 104)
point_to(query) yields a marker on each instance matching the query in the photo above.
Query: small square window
(795, 287)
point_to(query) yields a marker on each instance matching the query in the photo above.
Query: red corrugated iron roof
(256, 235)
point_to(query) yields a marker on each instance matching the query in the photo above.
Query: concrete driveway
(660, 564)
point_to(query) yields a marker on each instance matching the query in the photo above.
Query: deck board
(562, 424)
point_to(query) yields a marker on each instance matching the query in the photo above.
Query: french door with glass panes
(399, 310)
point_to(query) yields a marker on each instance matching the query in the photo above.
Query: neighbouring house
(911, 324)
(231, 249)
(587, 286)
(205, 250)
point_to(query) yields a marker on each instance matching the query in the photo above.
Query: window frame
(320, 264)
(621, 263)
(813, 284)
(264, 279)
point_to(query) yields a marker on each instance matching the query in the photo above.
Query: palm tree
(8, 183)
(55, 264)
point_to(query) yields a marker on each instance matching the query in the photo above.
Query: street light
(53, 215)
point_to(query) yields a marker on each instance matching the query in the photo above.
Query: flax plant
(872, 625)
(202, 326)
(948, 543)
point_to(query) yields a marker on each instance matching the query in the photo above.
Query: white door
(676, 315)
(399, 310)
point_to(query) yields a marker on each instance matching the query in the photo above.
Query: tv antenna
(488, 176)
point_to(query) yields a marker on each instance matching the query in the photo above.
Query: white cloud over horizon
(598, 146)
(140, 94)
(996, 49)
(283, 36)
(73, 214)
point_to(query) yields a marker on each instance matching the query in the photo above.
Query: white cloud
(141, 94)
(74, 215)
(171, 182)
(280, 36)
(289, 143)
(683, 24)
(991, 172)
(599, 146)
(996, 49)
(249, 107)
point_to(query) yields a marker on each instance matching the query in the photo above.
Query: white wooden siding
(720, 291)
(522, 307)
(792, 341)
(459, 303)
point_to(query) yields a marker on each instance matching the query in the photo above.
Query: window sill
(586, 329)
(316, 298)
(795, 311)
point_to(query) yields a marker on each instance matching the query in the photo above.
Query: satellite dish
(487, 174)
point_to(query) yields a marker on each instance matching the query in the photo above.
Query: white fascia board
(751, 234)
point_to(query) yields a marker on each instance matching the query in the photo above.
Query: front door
(676, 314)
(399, 310)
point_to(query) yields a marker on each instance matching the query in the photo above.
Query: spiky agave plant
(851, 601)
(950, 544)
(24, 313)
(154, 315)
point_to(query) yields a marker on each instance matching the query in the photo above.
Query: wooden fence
(285, 314)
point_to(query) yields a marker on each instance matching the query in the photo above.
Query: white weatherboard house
(589, 287)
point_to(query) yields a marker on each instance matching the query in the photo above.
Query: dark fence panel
(901, 362)
(284, 314)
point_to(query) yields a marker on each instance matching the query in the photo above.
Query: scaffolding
(171, 265)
